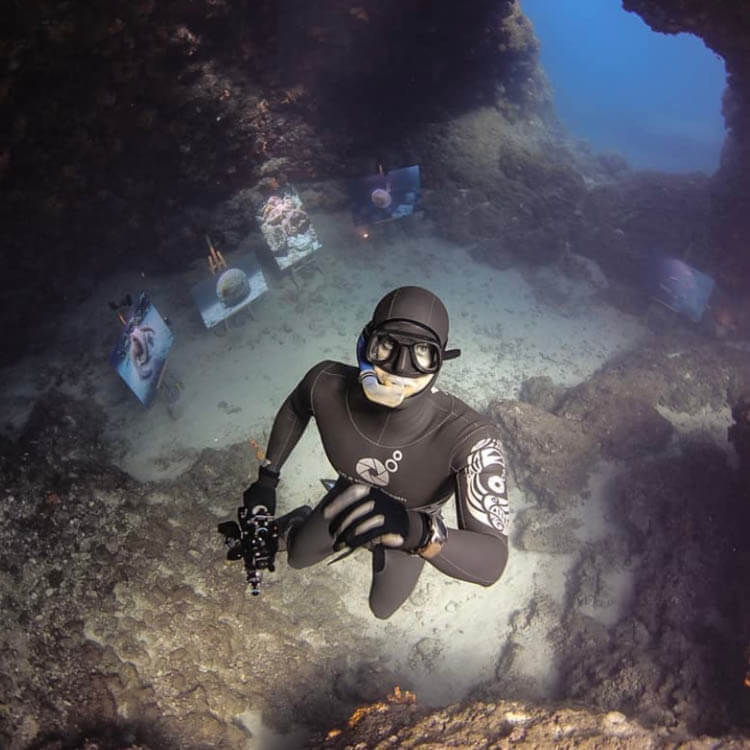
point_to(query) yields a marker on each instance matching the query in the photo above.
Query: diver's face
(409, 386)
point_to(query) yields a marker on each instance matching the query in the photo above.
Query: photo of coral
(141, 352)
(383, 197)
(287, 228)
(221, 296)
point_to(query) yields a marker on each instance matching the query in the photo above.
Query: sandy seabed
(233, 383)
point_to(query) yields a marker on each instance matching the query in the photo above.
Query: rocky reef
(725, 28)
(116, 629)
(135, 128)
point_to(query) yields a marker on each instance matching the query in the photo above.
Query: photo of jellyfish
(385, 196)
(682, 288)
(141, 352)
(287, 229)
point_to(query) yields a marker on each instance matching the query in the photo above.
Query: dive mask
(406, 350)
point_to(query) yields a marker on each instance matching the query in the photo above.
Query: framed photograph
(682, 288)
(230, 290)
(385, 197)
(287, 229)
(142, 349)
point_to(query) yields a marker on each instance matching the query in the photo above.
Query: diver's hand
(362, 515)
(261, 494)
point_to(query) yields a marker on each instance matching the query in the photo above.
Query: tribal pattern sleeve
(482, 498)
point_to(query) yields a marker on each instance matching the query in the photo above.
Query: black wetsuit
(431, 447)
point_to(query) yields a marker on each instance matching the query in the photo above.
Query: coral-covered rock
(232, 287)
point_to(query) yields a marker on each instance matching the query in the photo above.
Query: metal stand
(310, 262)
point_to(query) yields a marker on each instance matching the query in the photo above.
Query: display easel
(216, 260)
(309, 262)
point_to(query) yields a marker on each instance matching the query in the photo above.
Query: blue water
(655, 98)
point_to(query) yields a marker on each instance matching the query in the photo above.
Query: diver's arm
(291, 420)
(478, 551)
(288, 426)
(472, 556)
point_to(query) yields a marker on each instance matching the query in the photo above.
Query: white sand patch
(448, 636)
(596, 526)
(264, 738)
(234, 383)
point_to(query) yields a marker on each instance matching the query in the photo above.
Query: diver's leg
(394, 576)
(309, 542)
(289, 523)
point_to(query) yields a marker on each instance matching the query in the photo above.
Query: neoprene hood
(415, 305)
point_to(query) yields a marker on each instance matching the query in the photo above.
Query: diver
(402, 449)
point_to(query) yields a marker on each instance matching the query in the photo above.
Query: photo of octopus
(140, 354)
(141, 342)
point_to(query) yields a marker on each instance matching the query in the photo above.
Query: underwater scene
(374, 377)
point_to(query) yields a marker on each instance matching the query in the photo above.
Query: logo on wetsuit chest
(374, 471)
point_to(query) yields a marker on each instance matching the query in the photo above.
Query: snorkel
(391, 395)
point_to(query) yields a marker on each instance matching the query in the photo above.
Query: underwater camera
(254, 538)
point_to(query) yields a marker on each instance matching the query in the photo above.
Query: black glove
(360, 515)
(262, 493)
